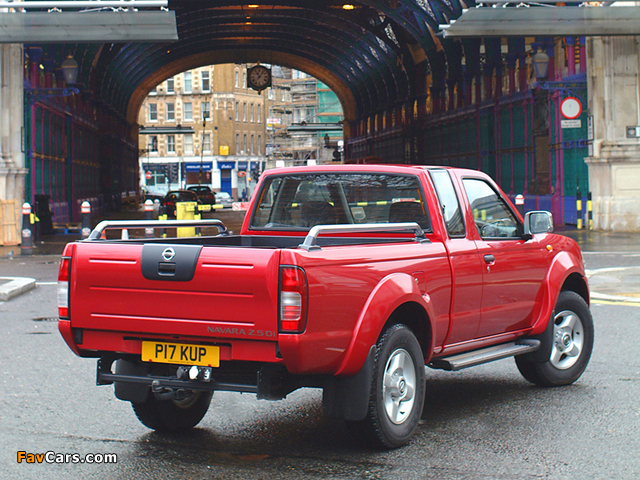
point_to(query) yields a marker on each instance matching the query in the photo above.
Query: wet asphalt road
(482, 423)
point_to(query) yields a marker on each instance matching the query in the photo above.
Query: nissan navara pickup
(349, 278)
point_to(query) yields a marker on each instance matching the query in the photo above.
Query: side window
(448, 202)
(492, 216)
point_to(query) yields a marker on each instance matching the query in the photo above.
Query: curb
(614, 298)
(15, 286)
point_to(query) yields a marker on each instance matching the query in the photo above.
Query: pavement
(612, 260)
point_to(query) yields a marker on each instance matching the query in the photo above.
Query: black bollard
(578, 209)
(85, 209)
(589, 211)
(26, 247)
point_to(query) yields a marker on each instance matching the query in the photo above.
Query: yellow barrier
(186, 211)
(208, 208)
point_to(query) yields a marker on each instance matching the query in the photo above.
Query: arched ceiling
(370, 55)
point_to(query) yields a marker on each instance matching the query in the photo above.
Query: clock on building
(259, 77)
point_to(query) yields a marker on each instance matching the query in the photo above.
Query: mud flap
(347, 398)
(543, 354)
(131, 392)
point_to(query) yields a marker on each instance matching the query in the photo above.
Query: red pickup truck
(348, 278)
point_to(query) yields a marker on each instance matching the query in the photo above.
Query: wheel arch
(577, 283)
(396, 299)
(416, 318)
(565, 273)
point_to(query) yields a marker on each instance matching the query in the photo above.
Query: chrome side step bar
(485, 355)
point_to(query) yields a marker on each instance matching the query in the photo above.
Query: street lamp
(69, 70)
(540, 61)
(204, 124)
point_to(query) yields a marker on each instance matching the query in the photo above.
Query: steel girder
(373, 56)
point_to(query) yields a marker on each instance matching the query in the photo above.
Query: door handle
(489, 259)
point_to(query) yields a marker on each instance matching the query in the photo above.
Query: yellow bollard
(186, 211)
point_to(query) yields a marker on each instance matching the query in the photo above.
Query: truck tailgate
(215, 292)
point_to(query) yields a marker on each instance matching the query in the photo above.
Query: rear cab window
(299, 202)
(449, 203)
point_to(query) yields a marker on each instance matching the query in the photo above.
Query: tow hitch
(133, 380)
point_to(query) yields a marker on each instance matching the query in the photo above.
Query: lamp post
(540, 62)
(69, 70)
(204, 124)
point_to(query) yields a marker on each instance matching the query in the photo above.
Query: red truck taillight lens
(293, 300)
(63, 287)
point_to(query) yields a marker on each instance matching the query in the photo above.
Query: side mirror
(538, 221)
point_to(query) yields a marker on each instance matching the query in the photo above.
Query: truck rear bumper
(135, 380)
(93, 343)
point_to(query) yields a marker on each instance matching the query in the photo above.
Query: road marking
(46, 284)
(626, 254)
(624, 303)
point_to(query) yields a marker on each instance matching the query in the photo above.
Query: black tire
(397, 391)
(173, 415)
(572, 343)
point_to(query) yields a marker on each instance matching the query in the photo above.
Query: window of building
(251, 113)
(237, 143)
(206, 142)
(153, 112)
(259, 144)
(206, 111)
(153, 143)
(171, 143)
(244, 143)
(259, 113)
(171, 112)
(188, 143)
(157, 178)
(170, 85)
(206, 86)
(244, 79)
(237, 84)
(270, 94)
(252, 145)
(188, 112)
(187, 82)
(153, 92)
(237, 111)
(244, 112)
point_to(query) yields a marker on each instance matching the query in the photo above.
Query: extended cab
(348, 278)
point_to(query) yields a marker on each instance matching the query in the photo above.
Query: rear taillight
(293, 300)
(63, 287)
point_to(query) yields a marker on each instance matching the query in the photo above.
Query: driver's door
(513, 268)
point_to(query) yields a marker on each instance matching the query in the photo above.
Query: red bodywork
(457, 302)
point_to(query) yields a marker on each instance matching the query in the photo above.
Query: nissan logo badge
(168, 253)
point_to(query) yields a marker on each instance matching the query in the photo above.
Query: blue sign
(242, 165)
(226, 165)
(195, 167)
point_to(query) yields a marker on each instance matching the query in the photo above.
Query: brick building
(203, 126)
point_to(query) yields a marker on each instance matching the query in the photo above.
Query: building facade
(498, 112)
(300, 100)
(211, 130)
